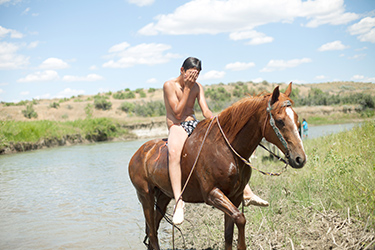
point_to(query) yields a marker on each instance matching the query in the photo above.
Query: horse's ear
(288, 91)
(275, 95)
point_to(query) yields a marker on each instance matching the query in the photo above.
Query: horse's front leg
(220, 201)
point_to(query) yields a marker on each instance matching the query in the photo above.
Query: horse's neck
(249, 137)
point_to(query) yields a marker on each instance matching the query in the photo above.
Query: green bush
(219, 94)
(119, 95)
(127, 107)
(240, 90)
(102, 103)
(142, 94)
(129, 95)
(99, 129)
(29, 112)
(150, 109)
(54, 105)
(89, 109)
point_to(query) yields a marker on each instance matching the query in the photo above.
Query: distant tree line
(218, 98)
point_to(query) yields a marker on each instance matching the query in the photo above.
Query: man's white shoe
(178, 216)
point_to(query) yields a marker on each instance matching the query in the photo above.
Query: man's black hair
(192, 62)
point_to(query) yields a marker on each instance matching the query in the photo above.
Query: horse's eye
(280, 123)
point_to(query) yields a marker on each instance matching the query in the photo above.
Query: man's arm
(202, 102)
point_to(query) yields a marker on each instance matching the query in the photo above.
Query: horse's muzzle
(297, 160)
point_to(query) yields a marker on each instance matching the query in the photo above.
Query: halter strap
(286, 103)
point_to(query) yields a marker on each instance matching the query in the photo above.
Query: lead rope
(190, 174)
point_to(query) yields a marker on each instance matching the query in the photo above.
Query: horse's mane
(234, 118)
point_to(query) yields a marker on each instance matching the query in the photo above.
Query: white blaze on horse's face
(290, 113)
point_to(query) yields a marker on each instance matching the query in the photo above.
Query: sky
(64, 48)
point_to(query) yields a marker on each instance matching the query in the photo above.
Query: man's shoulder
(170, 84)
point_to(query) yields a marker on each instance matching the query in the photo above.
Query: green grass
(97, 129)
(340, 118)
(339, 175)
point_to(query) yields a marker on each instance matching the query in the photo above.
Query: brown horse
(219, 176)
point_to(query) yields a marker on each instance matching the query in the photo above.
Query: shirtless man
(179, 98)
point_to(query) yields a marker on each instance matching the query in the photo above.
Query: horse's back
(149, 158)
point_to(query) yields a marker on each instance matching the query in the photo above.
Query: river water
(77, 197)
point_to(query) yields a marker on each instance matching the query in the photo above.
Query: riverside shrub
(29, 112)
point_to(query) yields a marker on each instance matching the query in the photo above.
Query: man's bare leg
(176, 139)
(252, 199)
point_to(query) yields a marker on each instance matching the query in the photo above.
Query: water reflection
(317, 131)
(71, 197)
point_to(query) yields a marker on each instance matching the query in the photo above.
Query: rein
(246, 161)
(277, 131)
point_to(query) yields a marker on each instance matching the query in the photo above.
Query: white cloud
(45, 96)
(141, 3)
(152, 80)
(93, 67)
(362, 78)
(9, 59)
(41, 76)
(146, 54)
(33, 45)
(358, 57)
(25, 93)
(13, 33)
(336, 45)
(68, 92)
(255, 37)
(9, 1)
(257, 80)
(237, 66)
(213, 74)
(296, 81)
(365, 29)
(218, 16)
(320, 77)
(25, 11)
(274, 65)
(2, 91)
(118, 47)
(358, 77)
(88, 78)
(53, 63)
(360, 49)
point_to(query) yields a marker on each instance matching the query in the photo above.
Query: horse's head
(281, 127)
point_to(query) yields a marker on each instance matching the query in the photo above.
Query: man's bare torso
(188, 113)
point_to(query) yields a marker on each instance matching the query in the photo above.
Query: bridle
(277, 131)
(286, 103)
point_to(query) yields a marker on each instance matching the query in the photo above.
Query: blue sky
(61, 48)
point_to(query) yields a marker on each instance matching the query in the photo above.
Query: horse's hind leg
(147, 200)
(162, 202)
(220, 201)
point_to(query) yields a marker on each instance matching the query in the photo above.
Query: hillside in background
(135, 106)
